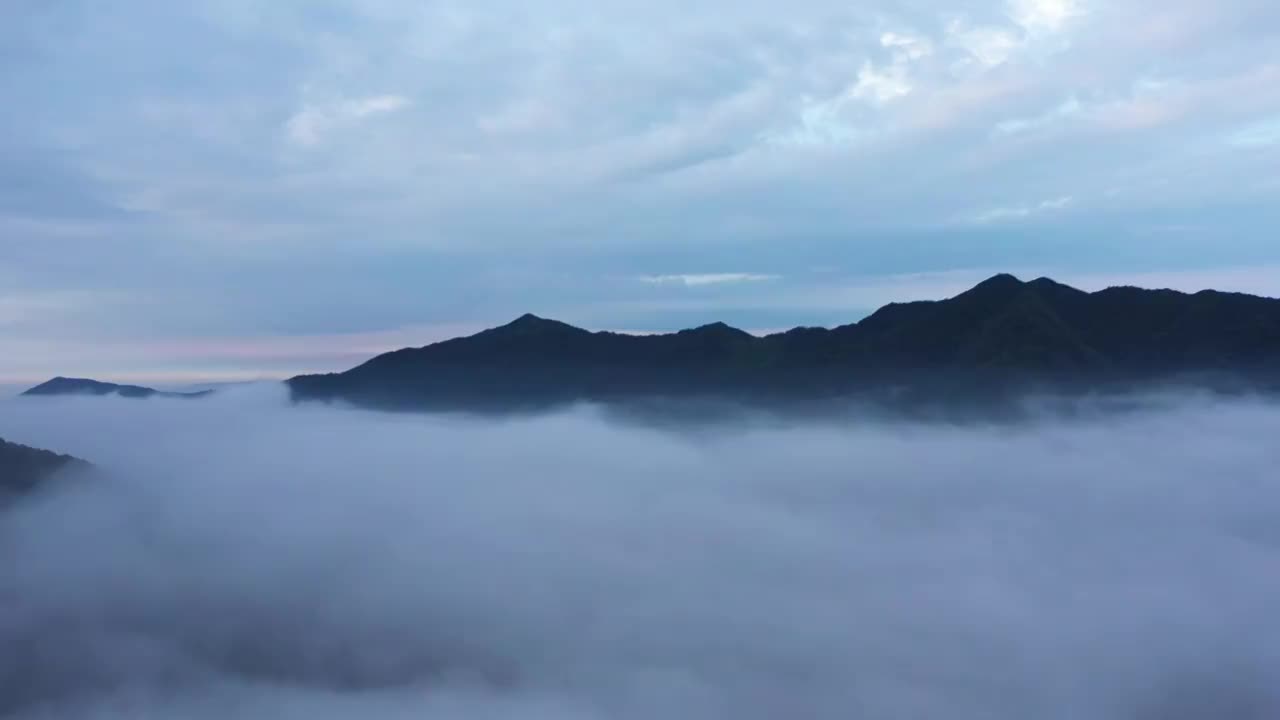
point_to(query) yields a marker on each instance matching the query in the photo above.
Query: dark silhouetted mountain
(23, 468)
(1004, 335)
(82, 386)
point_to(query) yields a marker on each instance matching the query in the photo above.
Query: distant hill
(1002, 336)
(23, 468)
(83, 386)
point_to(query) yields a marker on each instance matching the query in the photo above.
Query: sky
(231, 189)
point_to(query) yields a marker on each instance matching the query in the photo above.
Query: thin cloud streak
(313, 122)
(1021, 212)
(705, 279)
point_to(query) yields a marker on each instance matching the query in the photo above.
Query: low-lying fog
(243, 558)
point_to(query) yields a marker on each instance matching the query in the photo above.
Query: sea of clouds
(240, 557)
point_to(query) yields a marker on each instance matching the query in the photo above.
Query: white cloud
(1019, 212)
(313, 122)
(1033, 23)
(910, 45)
(881, 85)
(699, 280)
(375, 105)
(1037, 16)
(988, 46)
(827, 121)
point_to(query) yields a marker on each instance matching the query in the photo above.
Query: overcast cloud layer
(243, 559)
(225, 188)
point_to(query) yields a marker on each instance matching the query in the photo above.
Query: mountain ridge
(23, 468)
(84, 386)
(1002, 334)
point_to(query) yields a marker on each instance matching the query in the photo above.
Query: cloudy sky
(218, 189)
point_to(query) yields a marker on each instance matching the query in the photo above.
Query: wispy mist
(241, 558)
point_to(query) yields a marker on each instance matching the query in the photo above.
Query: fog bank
(241, 557)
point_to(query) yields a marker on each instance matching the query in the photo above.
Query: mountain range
(995, 342)
(1002, 336)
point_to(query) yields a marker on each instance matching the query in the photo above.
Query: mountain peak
(62, 385)
(528, 319)
(1002, 280)
(1049, 285)
(717, 329)
(530, 324)
(995, 288)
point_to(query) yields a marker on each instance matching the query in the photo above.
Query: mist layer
(240, 557)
